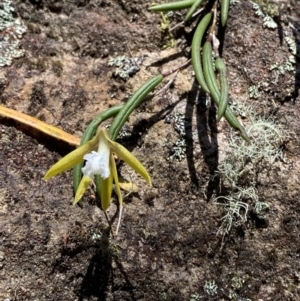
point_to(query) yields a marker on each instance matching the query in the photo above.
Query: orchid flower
(98, 154)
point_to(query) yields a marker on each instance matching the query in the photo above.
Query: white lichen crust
(11, 31)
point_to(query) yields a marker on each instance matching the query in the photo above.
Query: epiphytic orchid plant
(98, 151)
(101, 163)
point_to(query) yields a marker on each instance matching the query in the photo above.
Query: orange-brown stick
(40, 125)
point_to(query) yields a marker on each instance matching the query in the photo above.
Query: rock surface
(167, 248)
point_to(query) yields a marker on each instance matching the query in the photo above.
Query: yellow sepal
(72, 158)
(83, 185)
(106, 188)
(127, 157)
(114, 173)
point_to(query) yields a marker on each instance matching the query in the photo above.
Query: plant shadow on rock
(141, 128)
(96, 280)
(207, 135)
(297, 73)
(99, 276)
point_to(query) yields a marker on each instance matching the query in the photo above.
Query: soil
(167, 247)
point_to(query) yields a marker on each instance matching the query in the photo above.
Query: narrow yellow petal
(128, 157)
(106, 188)
(114, 172)
(83, 185)
(131, 160)
(72, 159)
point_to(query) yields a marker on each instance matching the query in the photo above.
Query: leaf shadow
(207, 136)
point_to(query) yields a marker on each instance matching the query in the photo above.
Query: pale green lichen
(210, 287)
(267, 7)
(178, 150)
(237, 282)
(238, 171)
(180, 124)
(258, 10)
(195, 297)
(253, 92)
(288, 65)
(268, 20)
(126, 67)
(11, 30)
(292, 45)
